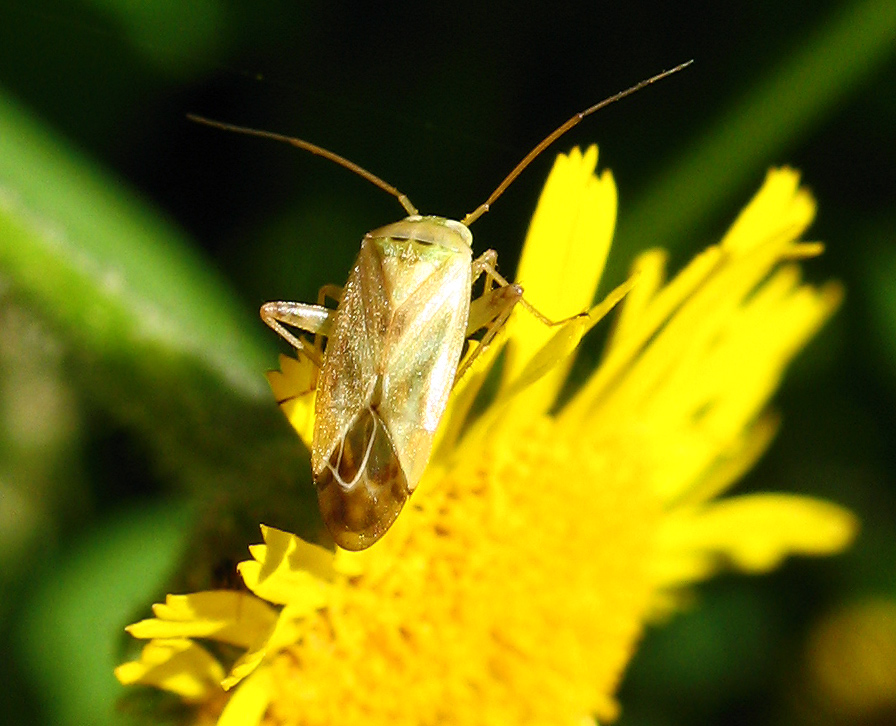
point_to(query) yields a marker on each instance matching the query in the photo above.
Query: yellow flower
(518, 580)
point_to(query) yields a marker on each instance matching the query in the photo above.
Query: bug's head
(438, 231)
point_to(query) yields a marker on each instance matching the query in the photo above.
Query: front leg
(485, 263)
(491, 309)
(314, 319)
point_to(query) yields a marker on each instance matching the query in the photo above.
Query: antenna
(402, 198)
(557, 133)
(317, 151)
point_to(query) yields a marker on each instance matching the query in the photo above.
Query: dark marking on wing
(363, 488)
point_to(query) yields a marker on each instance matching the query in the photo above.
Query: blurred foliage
(136, 430)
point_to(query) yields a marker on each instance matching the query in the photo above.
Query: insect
(394, 345)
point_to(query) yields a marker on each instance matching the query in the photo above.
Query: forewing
(421, 354)
(352, 358)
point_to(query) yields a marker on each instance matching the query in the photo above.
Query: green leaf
(79, 610)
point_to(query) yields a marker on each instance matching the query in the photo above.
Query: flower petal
(553, 355)
(224, 615)
(249, 702)
(288, 630)
(781, 205)
(692, 367)
(563, 259)
(176, 665)
(293, 387)
(569, 237)
(755, 532)
(642, 314)
(288, 570)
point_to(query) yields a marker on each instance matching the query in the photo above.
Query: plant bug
(394, 346)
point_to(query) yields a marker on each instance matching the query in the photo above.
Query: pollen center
(522, 570)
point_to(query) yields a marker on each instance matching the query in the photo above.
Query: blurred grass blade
(177, 37)
(100, 263)
(841, 52)
(878, 259)
(146, 327)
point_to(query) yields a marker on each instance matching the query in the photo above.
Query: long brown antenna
(314, 149)
(556, 134)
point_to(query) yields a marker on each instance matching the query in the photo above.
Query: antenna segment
(402, 198)
(557, 133)
(317, 151)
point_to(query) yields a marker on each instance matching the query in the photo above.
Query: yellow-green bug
(394, 346)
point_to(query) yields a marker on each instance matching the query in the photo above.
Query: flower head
(518, 580)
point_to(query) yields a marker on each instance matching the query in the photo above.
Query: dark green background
(135, 248)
